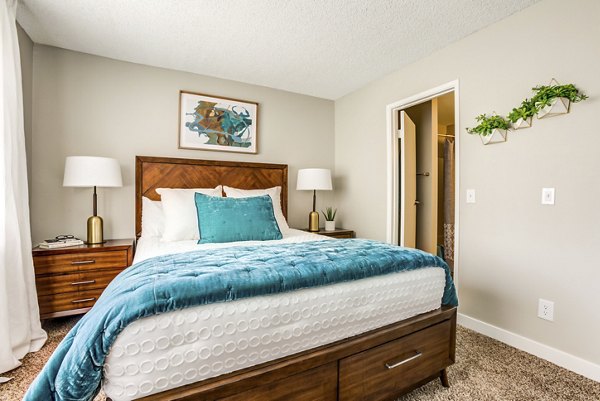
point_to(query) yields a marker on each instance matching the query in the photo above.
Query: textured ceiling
(324, 48)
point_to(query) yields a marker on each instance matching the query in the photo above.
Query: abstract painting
(216, 123)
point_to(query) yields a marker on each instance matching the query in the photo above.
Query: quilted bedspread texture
(172, 282)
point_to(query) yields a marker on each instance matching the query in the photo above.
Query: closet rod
(448, 136)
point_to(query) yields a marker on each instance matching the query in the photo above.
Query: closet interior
(427, 164)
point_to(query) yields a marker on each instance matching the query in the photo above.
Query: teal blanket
(172, 282)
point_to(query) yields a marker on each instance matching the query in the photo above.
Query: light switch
(547, 196)
(470, 196)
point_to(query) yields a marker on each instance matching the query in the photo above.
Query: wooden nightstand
(337, 233)
(70, 280)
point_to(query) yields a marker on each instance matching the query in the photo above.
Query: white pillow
(181, 217)
(274, 193)
(153, 218)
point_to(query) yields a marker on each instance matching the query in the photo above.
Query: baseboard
(557, 357)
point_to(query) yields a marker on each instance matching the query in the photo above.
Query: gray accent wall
(93, 106)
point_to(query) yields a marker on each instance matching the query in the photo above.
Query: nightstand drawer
(66, 263)
(52, 304)
(70, 280)
(341, 235)
(338, 233)
(61, 283)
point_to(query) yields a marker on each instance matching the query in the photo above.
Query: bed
(368, 339)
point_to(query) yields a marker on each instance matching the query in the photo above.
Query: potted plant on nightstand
(554, 99)
(329, 215)
(520, 117)
(491, 129)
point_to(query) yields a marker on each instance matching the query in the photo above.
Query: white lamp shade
(314, 178)
(88, 171)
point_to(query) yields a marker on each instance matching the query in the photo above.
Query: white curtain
(20, 328)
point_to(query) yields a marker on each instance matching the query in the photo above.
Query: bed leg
(444, 378)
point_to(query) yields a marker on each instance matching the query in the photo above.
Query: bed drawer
(68, 301)
(72, 282)
(318, 384)
(381, 372)
(67, 263)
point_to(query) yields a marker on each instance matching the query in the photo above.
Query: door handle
(417, 203)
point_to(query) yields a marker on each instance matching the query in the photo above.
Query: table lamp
(88, 171)
(314, 179)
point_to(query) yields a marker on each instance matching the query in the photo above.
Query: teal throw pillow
(236, 219)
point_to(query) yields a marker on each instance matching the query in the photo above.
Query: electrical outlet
(470, 196)
(546, 309)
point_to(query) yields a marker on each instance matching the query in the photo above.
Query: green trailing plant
(545, 94)
(329, 213)
(487, 124)
(525, 110)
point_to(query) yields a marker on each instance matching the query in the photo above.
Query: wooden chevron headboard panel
(165, 172)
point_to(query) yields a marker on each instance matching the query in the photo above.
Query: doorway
(423, 172)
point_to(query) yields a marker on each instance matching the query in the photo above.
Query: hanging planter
(521, 123)
(491, 129)
(497, 136)
(555, 99)
(521, 117)
(549, 100)
(555, 107)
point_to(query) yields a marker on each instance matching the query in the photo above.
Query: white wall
(513, 250)
(89, 105)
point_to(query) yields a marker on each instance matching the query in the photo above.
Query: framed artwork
(216, 123)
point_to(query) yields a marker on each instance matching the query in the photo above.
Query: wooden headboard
(165, 172)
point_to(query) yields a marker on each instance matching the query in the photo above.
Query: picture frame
(216, 123)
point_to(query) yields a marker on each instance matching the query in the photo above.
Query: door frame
(395, 194)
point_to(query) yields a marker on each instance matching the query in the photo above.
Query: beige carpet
(33, 363)
(485, 370)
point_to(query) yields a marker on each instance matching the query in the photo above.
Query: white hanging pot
(522, 123)
(329, 225)
(557, 106)
(497, 136)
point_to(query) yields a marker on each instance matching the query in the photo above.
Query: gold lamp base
(94, 230)
(313, 222)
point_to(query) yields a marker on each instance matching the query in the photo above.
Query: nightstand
(337, 233)
(70, 280)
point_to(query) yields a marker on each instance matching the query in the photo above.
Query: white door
(408, 181)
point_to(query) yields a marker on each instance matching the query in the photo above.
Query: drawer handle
(402, 362)
(78, 301)
(83, 282)
(83, 262)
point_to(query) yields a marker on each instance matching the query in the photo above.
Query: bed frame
(164, 172)
(378, 365)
